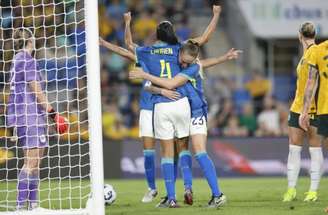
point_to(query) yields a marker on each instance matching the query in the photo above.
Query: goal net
(69, 178)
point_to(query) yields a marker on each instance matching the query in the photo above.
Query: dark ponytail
(165, 32)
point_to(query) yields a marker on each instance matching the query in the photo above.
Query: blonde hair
(191, 48)
(307, 30)
(21, 36)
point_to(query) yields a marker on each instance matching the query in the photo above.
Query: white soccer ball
(109, 194)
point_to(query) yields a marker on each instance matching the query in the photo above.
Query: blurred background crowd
(244, 101)
(241, 104)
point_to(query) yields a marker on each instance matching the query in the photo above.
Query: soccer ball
(109, 194)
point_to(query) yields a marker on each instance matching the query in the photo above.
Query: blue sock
(149, 164)
(168, 175)
(185, 165)
(175, 166)
(209, 171)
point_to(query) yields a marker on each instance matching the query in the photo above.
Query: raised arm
(170, 84)
(118, 50)
(204, 38)
(230, 55)
(127, 34)
(310, 90)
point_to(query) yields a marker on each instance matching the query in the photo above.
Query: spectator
(145, 25)
(233, 129)
(222, 117)
(258, 87)
(112, 121)
(268, 120)
(283, 116)
(248, 119)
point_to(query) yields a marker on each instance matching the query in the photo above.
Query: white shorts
(172, 119)
(146, 123)
(198, 125)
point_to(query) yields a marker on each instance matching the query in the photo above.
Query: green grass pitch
(246, 196)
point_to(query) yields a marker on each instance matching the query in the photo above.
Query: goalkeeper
(27, 112)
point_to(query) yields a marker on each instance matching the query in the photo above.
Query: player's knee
(295, 140)
(314, 141)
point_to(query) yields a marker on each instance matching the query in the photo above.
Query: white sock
(293, 165)
(316, 167)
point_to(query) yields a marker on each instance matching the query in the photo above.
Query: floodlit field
(248, 196)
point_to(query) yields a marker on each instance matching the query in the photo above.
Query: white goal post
(70, 178)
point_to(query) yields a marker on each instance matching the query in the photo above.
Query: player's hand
(171, 94)
(233, 54)
(127, 17)
(61, 124)
(136, 73)
(304, 121)
(216, 9)
(60, 121)
(101, 41)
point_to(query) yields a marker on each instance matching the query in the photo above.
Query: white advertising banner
(282, 18)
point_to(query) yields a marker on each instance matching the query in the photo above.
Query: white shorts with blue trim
(146, 123)
(198, 125)
(172, 119)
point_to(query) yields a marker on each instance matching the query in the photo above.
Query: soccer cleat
(311, 196)
(173, 204)
(217, 202)
(290, 195)
(166, 203)
(188, 197)
(149, 196)
(163, 203)
(33, 206)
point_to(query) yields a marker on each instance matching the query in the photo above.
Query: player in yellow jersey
(296, 133)
(317, 85)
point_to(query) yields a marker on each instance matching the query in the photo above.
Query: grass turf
(246, 196)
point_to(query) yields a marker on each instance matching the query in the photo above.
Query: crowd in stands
(246, 108)
(249, 110)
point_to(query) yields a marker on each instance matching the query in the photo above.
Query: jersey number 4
(165, 69)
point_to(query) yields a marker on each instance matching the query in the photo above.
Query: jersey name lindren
(161, 60)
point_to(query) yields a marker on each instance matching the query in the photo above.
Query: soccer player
(166, 34)
(198, 127)
(27, 111)
(318, 73)
(296, 133)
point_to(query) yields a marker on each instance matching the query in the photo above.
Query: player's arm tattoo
(153, 89)
(310, 88)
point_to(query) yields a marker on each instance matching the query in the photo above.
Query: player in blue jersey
(198, 130)
(166, 34)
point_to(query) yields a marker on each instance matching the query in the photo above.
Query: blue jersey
(161, 60)
(145, 101)
(195, 91)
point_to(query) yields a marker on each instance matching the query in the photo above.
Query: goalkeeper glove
(61, 122)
